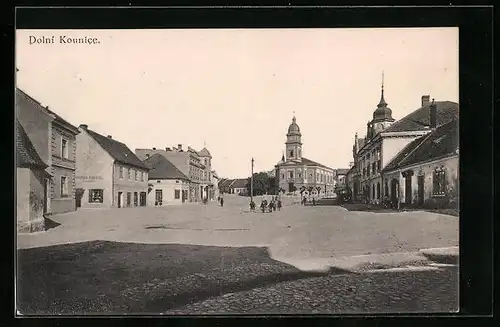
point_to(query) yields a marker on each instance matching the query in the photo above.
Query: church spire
(382, 102)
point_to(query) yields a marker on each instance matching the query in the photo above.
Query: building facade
(426, 172)
(385, 138)
(54, 139)
(215, 186)
(297, 174)
(108, 173)
(167, 184)
(31, 194)
(190, 163)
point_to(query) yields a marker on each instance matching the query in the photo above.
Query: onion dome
(294, 128)
(383, 112)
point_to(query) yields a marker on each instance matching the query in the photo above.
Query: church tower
(293, 142)
(382, 116)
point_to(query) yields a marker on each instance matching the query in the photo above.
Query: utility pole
(251, 184)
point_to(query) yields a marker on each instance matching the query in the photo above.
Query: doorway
(78, 197)
(136, 199)
(408, 194)
(420, 183)
(158, 197)
(129, 199)
(120, 199)
(143, 199)
(394, 191)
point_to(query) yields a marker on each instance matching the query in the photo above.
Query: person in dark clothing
(221, 202)
(279, 205)
(314, 201)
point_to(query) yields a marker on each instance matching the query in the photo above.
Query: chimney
(110, 137)
(179, 146)
(84, 126)
(154, 148)
(432, 115)
(425, 100)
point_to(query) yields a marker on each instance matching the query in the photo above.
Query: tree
(261, 183)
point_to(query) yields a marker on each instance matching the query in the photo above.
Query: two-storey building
(108, 173)
(295, 174)
(55, 141)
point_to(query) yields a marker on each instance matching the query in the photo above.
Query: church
(296, 174)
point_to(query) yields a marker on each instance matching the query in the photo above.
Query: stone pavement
(308, 238)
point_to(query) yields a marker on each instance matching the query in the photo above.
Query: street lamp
(251, 184)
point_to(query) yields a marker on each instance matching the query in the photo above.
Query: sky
(235, 91)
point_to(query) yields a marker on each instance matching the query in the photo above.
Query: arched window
(300, 153)
(373, 191)
(291, 153)
(378, 190)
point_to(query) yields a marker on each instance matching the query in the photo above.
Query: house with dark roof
(425, 172)
(295, 173)
(30, 187)
(239, 186)
(54, 139)
(194, 164)
(167, 184)
(386, 137)
(108, 173)
(224, 184)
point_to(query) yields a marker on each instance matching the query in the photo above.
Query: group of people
(304, 201)
(266, 206)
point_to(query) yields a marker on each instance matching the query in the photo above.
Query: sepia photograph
(237, 171)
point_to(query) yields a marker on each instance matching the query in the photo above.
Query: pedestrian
(314, 201)
(221, 202)
(279, 205)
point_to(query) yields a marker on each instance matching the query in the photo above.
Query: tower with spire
(382, 116)
(293, 142)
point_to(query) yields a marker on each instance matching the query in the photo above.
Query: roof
(342, 171)
(418, 120)
(58, 118)
(225, 182)
(119, 151)
(161, 168)
(440, 143)
(26, 155)
(239, 183)
(307, 162)
(204, 153)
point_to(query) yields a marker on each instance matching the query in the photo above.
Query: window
(64, 148)
(142, 176)
(299, 175)
(177, 194)
(121, 172)
(378, 190)
(373, 191)
(439, 182)
(290, 173)
(136, 199)
(136, 175)
(96, 195)
(64, 187)
(291, 153)
(176, 182)
(147, 155)
(130, 173)
(282, 176)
